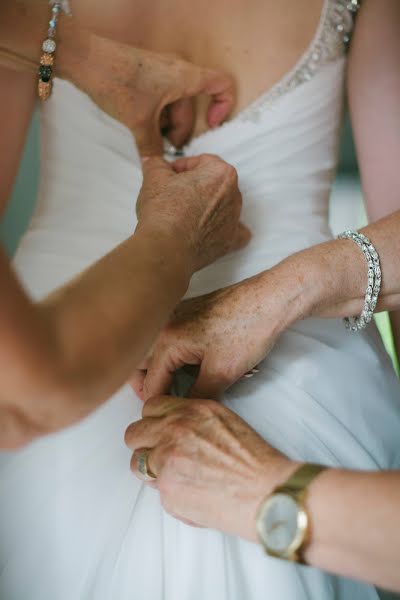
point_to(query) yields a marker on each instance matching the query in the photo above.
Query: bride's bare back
(256, 41)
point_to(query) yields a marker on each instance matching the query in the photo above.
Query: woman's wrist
(329, 280)
(325, 280)
(339, 278)
(23, 28)
(294, 286)
(170, 251)
(73, 50)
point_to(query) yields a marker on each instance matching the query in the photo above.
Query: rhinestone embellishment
(49, 46)
(63, 4)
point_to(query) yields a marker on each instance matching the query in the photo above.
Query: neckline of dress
(264, 96)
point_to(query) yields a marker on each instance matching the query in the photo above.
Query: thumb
(191, 163)
(181, 118)
(155, 166)
(242, 238)
(149, 140)
(220, 87)
(155, 170)
(137, 383)
(166, 361)
(209, 384)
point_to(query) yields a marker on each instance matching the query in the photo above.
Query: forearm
(330, 280)
(105, 320)
(356, 525)
(62, 358)
(110, 73)
(348, 272)
(87, 14)
(23, 28)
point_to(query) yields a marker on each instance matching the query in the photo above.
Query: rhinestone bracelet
(374, 280)
(49, 46)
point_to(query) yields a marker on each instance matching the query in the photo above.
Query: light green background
(19, 210)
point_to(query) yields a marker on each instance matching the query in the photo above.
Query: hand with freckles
(212, 469)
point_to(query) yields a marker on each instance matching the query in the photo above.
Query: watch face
(282, 524)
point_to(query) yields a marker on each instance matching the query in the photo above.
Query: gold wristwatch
(283, 524)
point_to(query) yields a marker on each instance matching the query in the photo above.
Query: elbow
(53, 411)
(46, 404)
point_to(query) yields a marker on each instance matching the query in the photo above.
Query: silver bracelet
(374, 280)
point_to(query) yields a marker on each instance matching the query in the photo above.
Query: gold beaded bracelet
(49, 46)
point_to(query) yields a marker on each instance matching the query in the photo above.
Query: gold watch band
(301, 478)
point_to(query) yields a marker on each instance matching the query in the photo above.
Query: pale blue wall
(20, 207)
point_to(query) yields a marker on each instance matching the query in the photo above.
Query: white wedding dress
(75, 524)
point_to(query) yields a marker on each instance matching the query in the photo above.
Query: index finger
(148, 138)
(221, 88)
(190, 163)
(145, 433)
(161, 406)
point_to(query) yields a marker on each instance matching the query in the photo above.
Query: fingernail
(145, 159)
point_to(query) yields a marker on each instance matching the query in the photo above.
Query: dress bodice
(284, 146)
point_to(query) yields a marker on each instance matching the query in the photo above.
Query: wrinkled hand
(147, 91)
(226, 333)
(212, 469)
(196, 199)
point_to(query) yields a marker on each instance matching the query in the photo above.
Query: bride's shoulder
(377, 21)
(376, 13)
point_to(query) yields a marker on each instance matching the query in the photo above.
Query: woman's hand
(147, 91)
(212, 469)
(197, 201)
(226, 333)
(144, 90)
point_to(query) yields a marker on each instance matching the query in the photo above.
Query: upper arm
(28, 364)
(374, 97)
(17, 100)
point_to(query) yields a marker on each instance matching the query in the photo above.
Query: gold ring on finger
(143, 467)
